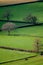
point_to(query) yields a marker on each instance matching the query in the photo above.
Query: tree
(31, 19)
(38, 46)
(8, 27)
(7, 15)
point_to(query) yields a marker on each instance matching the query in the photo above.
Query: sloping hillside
(21, 11)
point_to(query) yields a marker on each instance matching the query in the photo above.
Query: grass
(22, 42)
(21, 11)
(35, 31)
(17, 24)
(25, 42)
(6, 55)
(31, 61)
(17, 42)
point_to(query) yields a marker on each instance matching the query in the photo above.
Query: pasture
(22, 38)
(21, 11)
(21, 42)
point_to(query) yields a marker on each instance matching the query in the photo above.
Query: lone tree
(31, 19)
(8, 27)
(39, 46)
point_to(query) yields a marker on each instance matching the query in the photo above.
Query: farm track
(17, 49)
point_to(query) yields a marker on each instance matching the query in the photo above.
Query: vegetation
(18, 42)
(31, 19)
(7, 15)
(22, 38)
(8, 27)
(21, 11)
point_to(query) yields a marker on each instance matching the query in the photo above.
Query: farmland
(21, 43)
(21, 11)
(22, 38)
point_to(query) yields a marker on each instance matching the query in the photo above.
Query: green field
(26, 36)
(12, 55)
(21, 11)
(33, 31)
(18, 42)
(32, 61)
(22, 42)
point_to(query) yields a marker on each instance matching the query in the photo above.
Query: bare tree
(30, 18)
(37, 45)
(8, 27)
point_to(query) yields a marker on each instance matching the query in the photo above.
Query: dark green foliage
(30, 18)
(42, 53)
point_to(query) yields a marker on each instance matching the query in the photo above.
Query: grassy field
(27, 38)
(19, 42)
(32, 61)
(21, 11)
(33, 31)
(6, 55)
(23, 42)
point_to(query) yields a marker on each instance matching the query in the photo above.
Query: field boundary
(18, 49)
(20, 3)
(26, 58)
